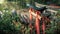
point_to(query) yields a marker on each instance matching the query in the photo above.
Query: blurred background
(11, 12)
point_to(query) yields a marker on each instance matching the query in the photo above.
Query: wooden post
(37, 23)
(30, 20)
(43, 26)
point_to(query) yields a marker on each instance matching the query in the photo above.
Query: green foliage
(6, 22)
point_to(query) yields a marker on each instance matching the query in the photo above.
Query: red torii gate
(38, 17)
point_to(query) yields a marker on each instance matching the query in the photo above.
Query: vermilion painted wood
(37, 23)
(30, 20)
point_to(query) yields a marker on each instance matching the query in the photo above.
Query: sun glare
(1, 1)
